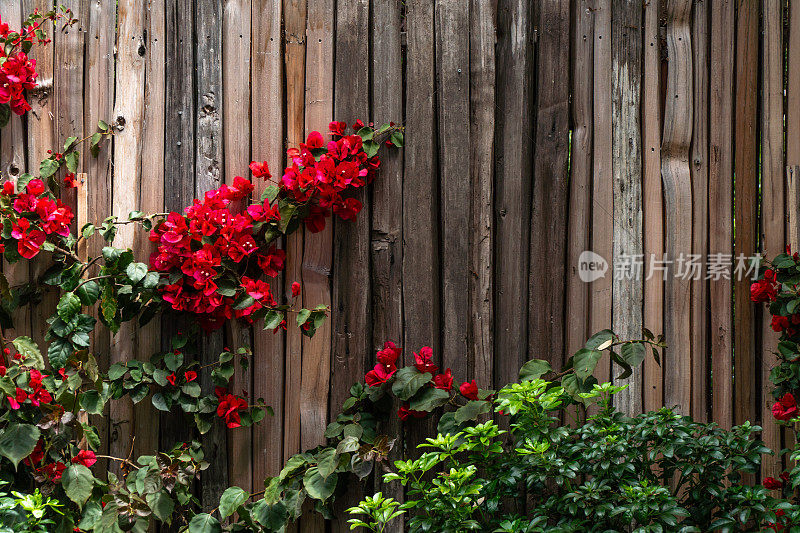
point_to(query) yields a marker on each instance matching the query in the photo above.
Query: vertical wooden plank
(452, 75)
(699, 173)
(482, 71)
(675, 144)
(99, 105)
(352, 342)
(209, 168)
(266, 105)
(420, 267)
(580, 193)
(514, 141)
(128, 117)
(720, 179)
(295, 59)
(236, 147)
(151, 198)
(793, 128)
(387, 214)
(602, 199)
(653, 315)
(772, 206)
(179, 154)
(548, 225)
(746, 198)
(12, 165)
(627, 186)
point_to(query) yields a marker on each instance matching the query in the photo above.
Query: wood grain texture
(602, 197)
(127, 119)
(746, 194)
(653, 313)
(626, 87)
(420, 259)
(452, 60)
(352, 339)
(720, 185)
(512, 198)
(267, 115)
(482, 131)
(699, 172)
(580, 193)
(773, 207)
(236, 148)
(550, 186)
(677, 136)
(209, 168)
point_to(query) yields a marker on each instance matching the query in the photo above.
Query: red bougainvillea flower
(763, 290)
(8, 188)
(28, 240)
(85, 457)
(53, 471)
(272, 262)
(190, 375)
(380, 374)
(315, 140)
(35, 187)
(260, 170)
(469, 390)
(69, 181)
(36, 455)
(404, 412)
(785, 408)
(347, 209)
(229, 407)
(295, 289)
(171, 378)
(777, 527)
(444, 381)
(17, 399)
(424, 360)
(771, 483)
(389, 354)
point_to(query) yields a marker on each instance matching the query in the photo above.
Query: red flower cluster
(229, 407)
(37, 215)
(37, 394)
(773, 484)
(386, 368)
(785, 324)
(17, 72)
(785, 408)
(765, 289)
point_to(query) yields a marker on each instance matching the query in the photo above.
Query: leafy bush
(27, 513)
(658, 471)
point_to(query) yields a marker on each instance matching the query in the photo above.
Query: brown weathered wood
(452, 75)
(626, 86)
(352, 339)
(677, 137)
(721, 205)
(746, 193)
(699, 173)
(179, 156)
(127, 119)
(550, 185)
(512, 199)
(580, 194)
(387, 213)
(209, 175)
(602, 199)
(482, 130)
(773, 203)
(236, 147)
(266, 106)
(653, 314)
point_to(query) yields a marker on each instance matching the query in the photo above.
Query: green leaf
(408, 381)
(68, 306)
(270, 193)
(28, 349)
(78, 482)
(318, 487)
(534, 369)
(271, 516)
(92, 402)
(58, 352)
(396, 138)
(471, 410)
(161, 504)
(204, 523)
(302, 316)
(48, 167)
(585, 361)
(287, 212)
(601, 338)
(429, 399)
(102, 125)
(88, 292)
(136, 272)
(17, 441)
(71, 159)
(633, 353)
(231, 499)
(327, 461)
(371, 148)
(273, 319)
(69, 142)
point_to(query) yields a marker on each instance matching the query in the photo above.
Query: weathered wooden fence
(535, 131)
